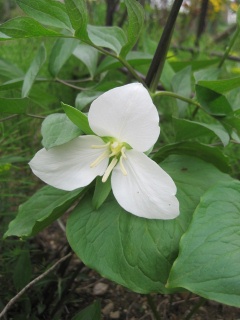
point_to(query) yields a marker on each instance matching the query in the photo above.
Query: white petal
(67, 166)
(147, 190)
(128, 114)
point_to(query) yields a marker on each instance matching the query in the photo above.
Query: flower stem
(195, 308)
(156, 67)
(153, 307)
(229, 47)
(176, 96)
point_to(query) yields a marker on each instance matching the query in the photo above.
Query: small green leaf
(78, 118)
(207, 153)
(48, 12)
(92, 312)
(33, 70)
(135, 24)
(25, 27)
(22, 272)
(12, 84)
(186, 129)
(181, 84)
(112, 38)
(77, 12)
(57, 129)
(88, 55)
(9, 70)
(221, 86)
(84, 98)
(61, 52)
(15, 106)
(101, 192)
(208, 263)
(44, 207)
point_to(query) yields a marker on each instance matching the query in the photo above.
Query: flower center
(116, 151)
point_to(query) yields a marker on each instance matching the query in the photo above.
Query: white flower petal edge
(67, 166)
(147, 190)
(128, 114)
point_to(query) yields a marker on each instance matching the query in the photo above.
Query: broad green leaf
(44, 207)
(33, 70)
(135, 23)
(15, 106)
(186, 129)
(167, 76)
(9, 70)
(57, 129)
(25, 27)
(47, 12)
(101, 192)
(77, 12)
(181, 84)
(213, 102)
(118, 244)
(84, 98)
(92, 312)
(112, 38)
(207, 153)
(209, 259)
(78, 118)
(61, 52)
(88, 55)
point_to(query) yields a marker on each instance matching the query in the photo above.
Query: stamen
(124, 171)
(100, 146)
(104, 155)
(109, 169)
(123, 152)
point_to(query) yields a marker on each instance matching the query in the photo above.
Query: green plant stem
(156, 67)
(195, 308)
(153, 307)
(229, 47)
(131, 70)
(176, 96)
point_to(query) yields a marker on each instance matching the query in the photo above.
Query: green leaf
(207, 74)
(12, 84)
(135, 23)
(208, 263)
(22, 272)
(213, 102)
(112, 38)
(181, 84)
(78, 118)
(238, 17)
(57, 129)
(9, 70)
(207, 153)
(186, 129)
(221, 86)
(84, 98)
(134, 58)
(118, 244)
(15, 106)
(77, 12)
(167, 76)
(33, 70)
(92, 312)
(61, 52)
(48, 12)
(101, 192)
(44, 207)
(195, 64)
(25, 27)
(88, 55)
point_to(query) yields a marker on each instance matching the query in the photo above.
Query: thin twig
(7, 118)
(30, 284)
(35, 116)
(69, 84)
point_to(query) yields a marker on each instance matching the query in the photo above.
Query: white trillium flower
(126, 124)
